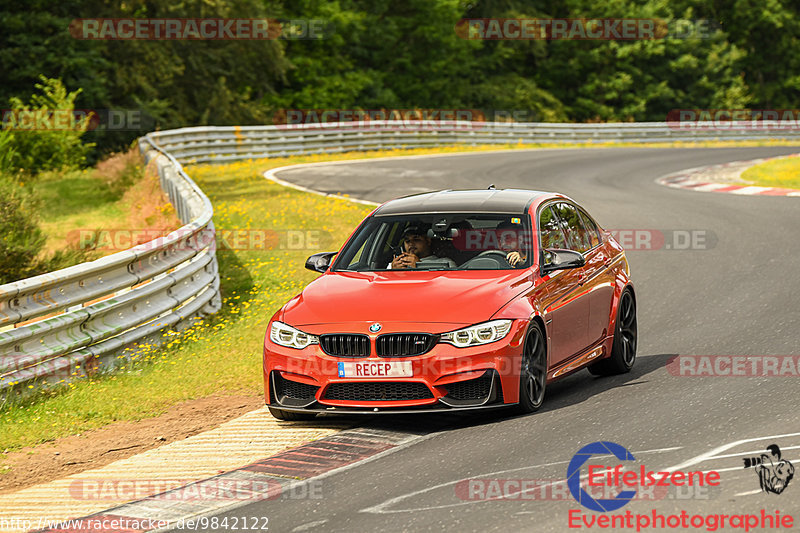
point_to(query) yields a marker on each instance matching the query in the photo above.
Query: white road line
(739, 468)
(271, 174)
(410, 441)
(755, 453)
(710, 454)
(749, 492)
(382, 508)
(734, 468)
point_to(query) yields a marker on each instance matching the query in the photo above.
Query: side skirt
(595, 353)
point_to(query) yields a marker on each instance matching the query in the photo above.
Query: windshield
(439, 242)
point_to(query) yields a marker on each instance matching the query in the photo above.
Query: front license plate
(376, 369)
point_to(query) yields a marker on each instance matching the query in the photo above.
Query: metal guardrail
(94, 311)
(68, 322)
(207, 144)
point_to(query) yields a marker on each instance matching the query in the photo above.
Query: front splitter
(390, 410)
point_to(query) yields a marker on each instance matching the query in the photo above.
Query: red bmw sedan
(453, 300)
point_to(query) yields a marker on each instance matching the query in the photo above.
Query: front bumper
(446, 378)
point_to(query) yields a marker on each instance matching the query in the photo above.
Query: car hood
(449, 297)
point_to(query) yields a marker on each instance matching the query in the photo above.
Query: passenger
(417, 249)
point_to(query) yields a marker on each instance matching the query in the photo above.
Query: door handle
(581, 278)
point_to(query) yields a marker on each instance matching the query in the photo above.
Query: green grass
(66, 194)
(783, 173)
(221, 355)
(82, 199)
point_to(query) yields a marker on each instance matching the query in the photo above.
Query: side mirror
(557, 259)
(320, 262)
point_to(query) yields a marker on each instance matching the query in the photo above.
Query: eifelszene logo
(618, 477)
(574, 476)
(774, 473)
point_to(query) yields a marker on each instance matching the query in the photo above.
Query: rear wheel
(282, 414)
(623, 349)
(533, 372)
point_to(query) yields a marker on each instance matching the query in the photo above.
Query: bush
(21, 240)
(7, 151)
(44, 134)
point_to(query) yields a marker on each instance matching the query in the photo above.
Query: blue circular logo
(375, 328)
(574, 476)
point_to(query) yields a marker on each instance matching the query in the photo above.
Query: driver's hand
(513, 258)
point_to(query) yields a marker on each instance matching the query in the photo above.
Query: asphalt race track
(736, 295)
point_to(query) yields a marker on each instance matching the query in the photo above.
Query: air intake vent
(345, 345)
(292, 393)
(473, 389)
(377, 391)
(405, 344)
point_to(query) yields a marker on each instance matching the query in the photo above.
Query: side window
(365, 251)
(576, 233)
(592, 232)
(393, 238)
(357, 260)
(359, 255)
(550, 230)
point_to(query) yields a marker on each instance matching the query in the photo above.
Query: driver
(508, 237)
(417, 249)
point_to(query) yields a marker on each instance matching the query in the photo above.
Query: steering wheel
(501, 254)
(497, 255)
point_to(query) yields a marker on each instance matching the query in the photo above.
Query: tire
(281, 414)
(623, 349)
(533, 372)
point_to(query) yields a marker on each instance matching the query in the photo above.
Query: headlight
(290, 337)
(478, 334)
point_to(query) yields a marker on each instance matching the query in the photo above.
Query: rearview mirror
(320, 262)
(557, 259)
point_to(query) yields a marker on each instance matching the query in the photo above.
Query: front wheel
(623, 349)
(533, 372)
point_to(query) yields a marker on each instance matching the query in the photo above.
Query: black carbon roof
(507, 201)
